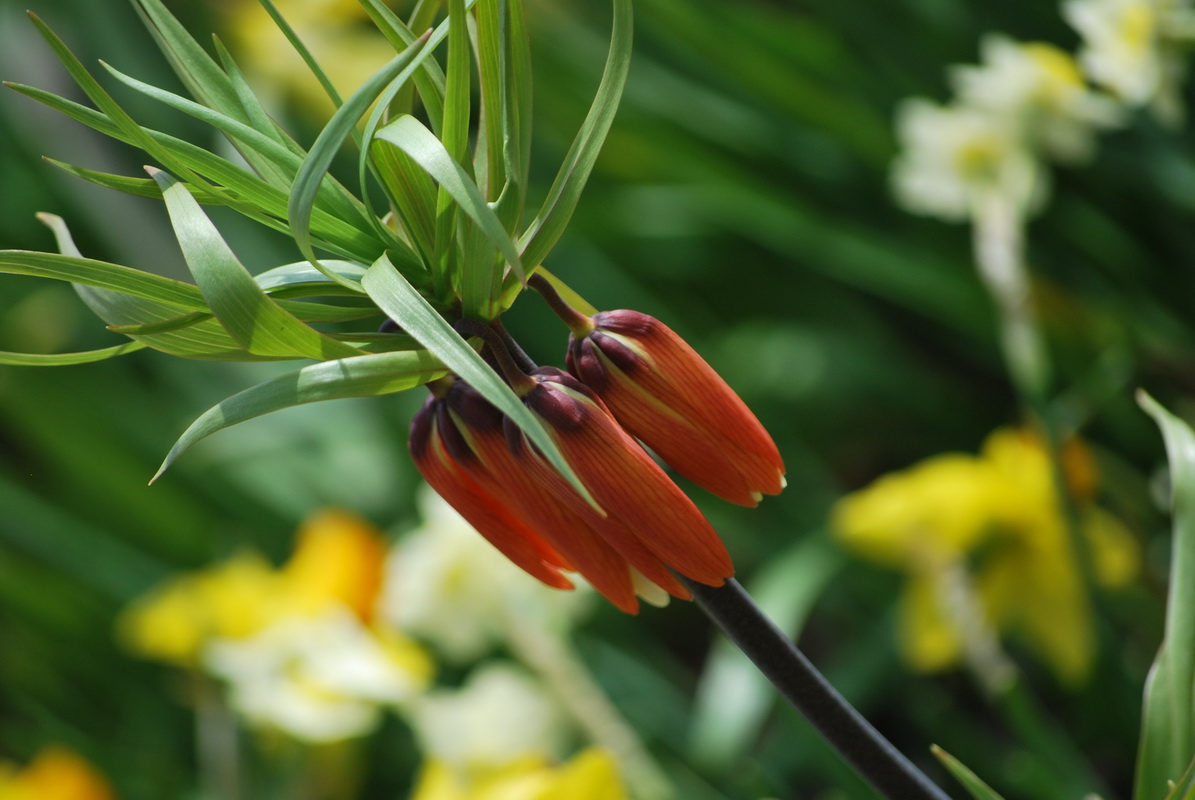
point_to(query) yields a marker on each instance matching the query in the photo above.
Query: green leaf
(977, 788)
(103, 275)
(238, 189)
(394, 295)
(258, 323)
(545, 230)
(491, 68)
(64, 359)
(360, 376)
(414, 139)
(1168, 717)
(315, 167)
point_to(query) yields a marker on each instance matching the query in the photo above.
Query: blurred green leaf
(977, 788)
(1168, 718)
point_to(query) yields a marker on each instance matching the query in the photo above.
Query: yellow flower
(987, 550)
(335, 31)
(590, 775)
(337, 563)
(55, 774)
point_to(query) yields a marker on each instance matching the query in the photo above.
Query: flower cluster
(298, 646)
(1026, 104)
(316, 649)
(985, 546)
(630, 380)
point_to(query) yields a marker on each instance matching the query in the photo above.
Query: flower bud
(490, 514)
(622, 478)
(667, 396)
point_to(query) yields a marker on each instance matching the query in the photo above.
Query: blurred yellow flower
(338, 561)
(337, 32)
(986, 547)
(296, 645)
(590, 775)
(55, 774)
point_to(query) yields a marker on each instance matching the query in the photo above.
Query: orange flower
(491, 514)
(649, 526)
(666, 395)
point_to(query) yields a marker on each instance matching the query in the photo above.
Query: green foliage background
(742, 198)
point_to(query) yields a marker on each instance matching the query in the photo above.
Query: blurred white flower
(951, 156)
(449, 586)
(1128, 48)
(319, 678)
(1039, 88)
(501, 715)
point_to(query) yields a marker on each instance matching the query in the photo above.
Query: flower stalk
(858, 742)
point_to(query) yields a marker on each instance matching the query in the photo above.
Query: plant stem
(843, 727)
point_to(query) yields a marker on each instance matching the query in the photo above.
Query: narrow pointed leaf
(970, 781)
(557, 209)
(394, 295)
(305, 54)
(360, 376)
(315, 167)
(64, 359)
(258, 323)
(413, 138)
(1168, 717)
(198, 71)
(102, 275)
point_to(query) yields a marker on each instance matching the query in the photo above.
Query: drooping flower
(590, 775)
(663, 393)
(54, 774)
(984, 544)
(482, 465)
(1040, 87)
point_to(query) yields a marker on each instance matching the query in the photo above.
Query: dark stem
(577, 322)
(516, 351)
(495, 344)
(859, 744)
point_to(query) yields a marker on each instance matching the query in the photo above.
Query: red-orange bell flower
(649, 525)
(665, 394)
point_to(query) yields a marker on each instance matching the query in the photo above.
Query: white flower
(951, 156)
(1039, 88)
(498, 717)
(318, 678)
(448, 585)
(1128, 48)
